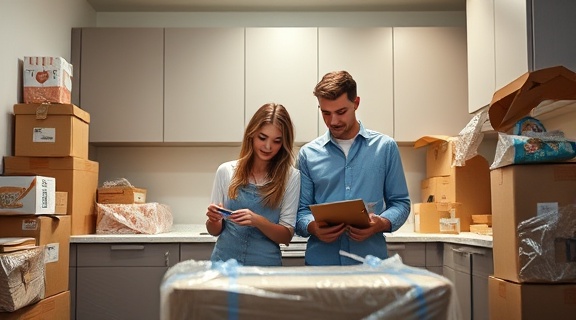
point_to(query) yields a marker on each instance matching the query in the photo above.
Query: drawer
(457, 257)
(128, 255)
(196, 251)
(412, 254)
(483, 262)
(72, 255)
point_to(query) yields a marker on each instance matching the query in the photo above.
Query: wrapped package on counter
(21, 278)
(147, 218)
(382, 289)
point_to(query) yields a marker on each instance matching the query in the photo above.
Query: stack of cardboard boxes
(534, 213)
(50, 144)
(450, 195)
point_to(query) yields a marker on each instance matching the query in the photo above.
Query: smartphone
(225, 212)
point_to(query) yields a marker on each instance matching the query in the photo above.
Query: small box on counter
(427, 216)
(47, 79)
(51, 130)
(121, 195)
(53, 235)
(76, 176)
(23, 195)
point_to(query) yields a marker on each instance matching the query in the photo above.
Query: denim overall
(248, 245)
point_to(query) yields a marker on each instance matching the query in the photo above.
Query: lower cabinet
(468, 267)
(196, 251)
(121, 281)
(426, 255)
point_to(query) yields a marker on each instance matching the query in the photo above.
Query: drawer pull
(126, 247)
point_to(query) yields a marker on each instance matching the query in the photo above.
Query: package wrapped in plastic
(21, 278)
(535, 147)
(147, 218)
(376, 289)
(547, 246)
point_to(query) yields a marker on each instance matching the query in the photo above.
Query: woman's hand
(246, 217)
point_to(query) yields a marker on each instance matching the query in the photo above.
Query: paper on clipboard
(352, 212)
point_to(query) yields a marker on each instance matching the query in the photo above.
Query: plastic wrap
(547, 246)
(21, 278)
(147, 218)
(376, 289)
(469, 139)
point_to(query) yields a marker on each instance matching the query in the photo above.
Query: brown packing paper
(515, 100)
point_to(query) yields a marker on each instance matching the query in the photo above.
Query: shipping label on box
(51, 130)
(27, 195)
(47, 79)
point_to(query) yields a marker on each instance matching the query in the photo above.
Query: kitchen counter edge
(196, 233)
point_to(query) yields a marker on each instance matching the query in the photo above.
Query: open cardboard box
(517, 99)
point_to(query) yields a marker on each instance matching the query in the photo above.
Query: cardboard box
(54, 234)
(78, 177)
(51, 130)
(54, 307)
(468, 185)
(524, 192)
(47, 79)
(427, 215)
(121, 195)
(439, 154)
(27, 195)
(514, 301)
(515, 100)
(21, 278)
(61, 202)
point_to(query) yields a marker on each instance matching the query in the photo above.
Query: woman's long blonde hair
(279, 166)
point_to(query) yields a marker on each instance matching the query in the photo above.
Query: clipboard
(352, 212)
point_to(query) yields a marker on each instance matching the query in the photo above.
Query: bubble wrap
(147, 218)
(469, 139)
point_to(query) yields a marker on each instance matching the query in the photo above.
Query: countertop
(197, 233)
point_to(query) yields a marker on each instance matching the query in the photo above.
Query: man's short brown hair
(334, 84)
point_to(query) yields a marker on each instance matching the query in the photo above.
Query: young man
(349, 162)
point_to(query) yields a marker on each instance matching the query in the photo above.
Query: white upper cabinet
(507, 38)
(122, 83)
(430, 82)
(281, 67)
(366, 53)
(480, 35)
(204, 85)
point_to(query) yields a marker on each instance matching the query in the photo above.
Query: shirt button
(347, 188)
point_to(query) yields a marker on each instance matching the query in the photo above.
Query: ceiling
(274, 5)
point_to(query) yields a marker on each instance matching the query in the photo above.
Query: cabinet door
(121, 281)
(281, 67)
(122, 83)
(204, 85)
(366, 53)
(457, 268)
(482, 268)
(196, 251)
(511, 41)
(552, 36)
(430, 82)
(480, 36)
(412, 254)
(72, 281)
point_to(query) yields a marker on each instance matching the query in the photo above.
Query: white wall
(32, 28)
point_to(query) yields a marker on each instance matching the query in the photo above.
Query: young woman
(261, 189)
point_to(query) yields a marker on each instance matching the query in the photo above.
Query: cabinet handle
(126, 247)
(469, 251)
(167, 258)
